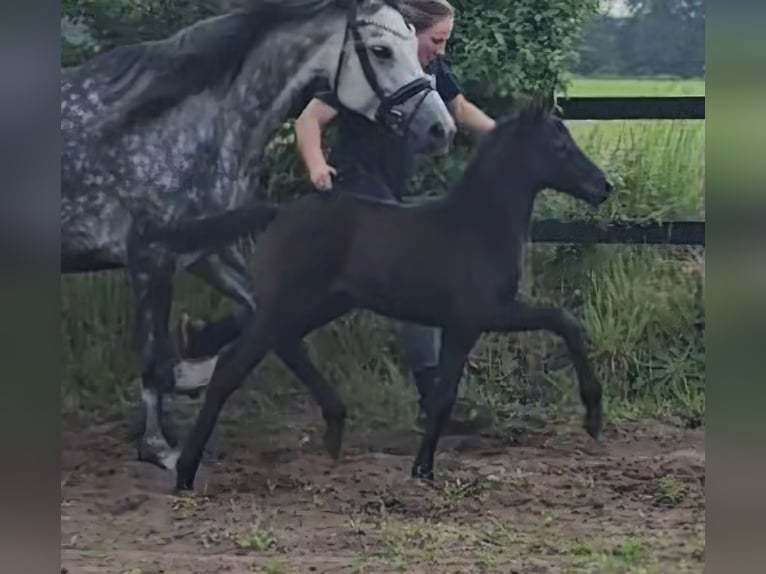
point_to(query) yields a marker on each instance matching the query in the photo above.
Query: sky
(615, 7)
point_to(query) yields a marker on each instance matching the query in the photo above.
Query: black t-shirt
(376, 150)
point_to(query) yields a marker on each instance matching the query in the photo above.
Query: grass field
(533, 494)
(584, 86)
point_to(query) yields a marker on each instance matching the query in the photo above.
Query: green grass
(641, 306)
(606, 86)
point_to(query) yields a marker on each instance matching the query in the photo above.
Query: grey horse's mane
(145, 79)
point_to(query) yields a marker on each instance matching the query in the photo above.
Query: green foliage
(504, 47)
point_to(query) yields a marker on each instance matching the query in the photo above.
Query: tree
(660, 37)
(503, 47)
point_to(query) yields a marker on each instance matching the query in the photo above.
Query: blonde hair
(423, 14)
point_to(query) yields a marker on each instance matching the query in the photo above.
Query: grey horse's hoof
(164, 457)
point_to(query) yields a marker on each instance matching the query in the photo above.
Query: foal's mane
(510, 131)
(145, 79)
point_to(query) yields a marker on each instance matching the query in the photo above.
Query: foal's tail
(213, 231)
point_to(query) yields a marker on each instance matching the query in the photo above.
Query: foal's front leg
(455, 347)
(522, 317)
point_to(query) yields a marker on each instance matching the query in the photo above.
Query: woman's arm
(469, 116)
(308, 138)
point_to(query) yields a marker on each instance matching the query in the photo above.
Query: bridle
(387, 114)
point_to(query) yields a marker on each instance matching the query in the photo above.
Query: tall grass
(95, 333)
(641, 305)
(100, 359)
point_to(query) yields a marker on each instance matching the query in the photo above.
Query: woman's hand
(321, 176)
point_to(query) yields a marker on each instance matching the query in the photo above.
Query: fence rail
(666, 233)
(633, 108)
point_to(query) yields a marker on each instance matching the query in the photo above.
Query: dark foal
(454, 262)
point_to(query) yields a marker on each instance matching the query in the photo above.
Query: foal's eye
(382, 52)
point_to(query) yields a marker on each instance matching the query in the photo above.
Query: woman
(376, 163)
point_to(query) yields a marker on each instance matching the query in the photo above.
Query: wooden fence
(625, 108)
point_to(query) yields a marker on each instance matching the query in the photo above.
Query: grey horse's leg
(226, 272)
(151, 270)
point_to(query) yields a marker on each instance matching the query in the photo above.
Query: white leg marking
(169, 459)
(194, 375)
(152, 429)
(153, 433)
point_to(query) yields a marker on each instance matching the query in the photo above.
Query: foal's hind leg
(292, 352)
(230, 372)
(295, 356)
(215, 335)
(151, 271)
(522, 317)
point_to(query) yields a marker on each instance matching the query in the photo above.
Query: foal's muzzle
(599, 194)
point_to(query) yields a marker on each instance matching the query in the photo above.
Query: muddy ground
(270, 500)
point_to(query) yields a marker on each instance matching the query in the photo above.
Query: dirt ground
(271, 501)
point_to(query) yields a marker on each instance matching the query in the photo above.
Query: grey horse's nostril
(437, 131)
(609, 188)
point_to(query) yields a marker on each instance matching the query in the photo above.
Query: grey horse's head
(385, 47)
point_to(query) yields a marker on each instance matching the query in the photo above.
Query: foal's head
(543, 146)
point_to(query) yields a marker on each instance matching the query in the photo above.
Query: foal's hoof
(184, 480)
(422, 473)
(593, 425)
(333, 438)
(184, 486)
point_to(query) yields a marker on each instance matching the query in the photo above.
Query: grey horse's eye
(382, 52)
